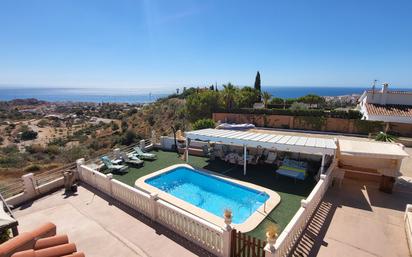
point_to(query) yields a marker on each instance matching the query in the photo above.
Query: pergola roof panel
(300, 144)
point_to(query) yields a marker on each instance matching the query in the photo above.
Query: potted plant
(228, 216)
(271, 235)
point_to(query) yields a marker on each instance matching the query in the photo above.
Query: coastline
(136, 96)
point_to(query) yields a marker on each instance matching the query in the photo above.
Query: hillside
(159, 117)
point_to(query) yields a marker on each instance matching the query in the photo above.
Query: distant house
(386, 105)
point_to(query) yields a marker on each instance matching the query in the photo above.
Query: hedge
(351, 114)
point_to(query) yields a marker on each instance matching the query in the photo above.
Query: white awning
(299, 144)
(371, 149)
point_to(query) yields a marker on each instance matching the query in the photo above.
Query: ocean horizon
(108, 95)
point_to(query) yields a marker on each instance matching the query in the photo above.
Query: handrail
(250, 201)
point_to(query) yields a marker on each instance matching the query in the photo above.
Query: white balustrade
(87, 175)
(132, 197)
(102, 182)
(199, 231)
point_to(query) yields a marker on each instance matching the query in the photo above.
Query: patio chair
(132, 160)
(145, 156)
(271, 159)
(113, 167)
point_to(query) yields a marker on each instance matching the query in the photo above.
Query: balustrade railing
(293, 230)
(201, 232)
(11, 187)
(195, 229)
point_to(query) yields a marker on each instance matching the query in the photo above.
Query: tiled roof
(378, 91)
(389, 110)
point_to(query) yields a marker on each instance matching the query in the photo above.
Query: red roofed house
(386, 105)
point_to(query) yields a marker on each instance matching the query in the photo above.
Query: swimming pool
(210, 193)
(206, 195)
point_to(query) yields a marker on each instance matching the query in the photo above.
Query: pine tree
(257, 84)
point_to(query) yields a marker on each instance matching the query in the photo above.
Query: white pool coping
(252, 222)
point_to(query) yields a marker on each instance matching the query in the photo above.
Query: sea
(146, 96)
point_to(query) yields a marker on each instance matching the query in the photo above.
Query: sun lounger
(113, 167)
(145, 156)
(133, 160)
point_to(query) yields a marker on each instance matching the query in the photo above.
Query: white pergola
(286, 143)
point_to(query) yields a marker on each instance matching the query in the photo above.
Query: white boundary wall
(408, 225)
(199, 231)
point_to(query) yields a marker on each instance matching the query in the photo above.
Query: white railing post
(227, 237)
(142, 145)
(162, 142)
(304, 203)
(153, 200)
(270, 250)
(79, 164)
(29, 187)
(408, 209)
(116, 153)
(109, 177)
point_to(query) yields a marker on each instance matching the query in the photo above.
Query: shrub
(114, 126)
(28, 135)
(75, 152)
(53, 149)
(51, 166)
(32, 168)
(58, 142)
(5, 235)
(35, 148)
(43, 123)
(15, 160)
(203, 123)
(10, 149)
(298, 106)
(129, 138)
(351, 114)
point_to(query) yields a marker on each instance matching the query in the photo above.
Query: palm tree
(229, 95)
(385, 137)
(266, 96)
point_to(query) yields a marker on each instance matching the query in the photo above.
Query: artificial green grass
(291, 192)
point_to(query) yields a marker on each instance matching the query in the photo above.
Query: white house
(386, 105)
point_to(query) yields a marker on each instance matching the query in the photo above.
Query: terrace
(110, 205)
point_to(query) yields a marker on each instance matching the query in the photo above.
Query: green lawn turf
(291, 193)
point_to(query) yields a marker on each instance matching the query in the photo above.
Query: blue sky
(150, 43)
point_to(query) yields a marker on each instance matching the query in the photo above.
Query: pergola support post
(322, 167)
(187, 150)
(244, 159)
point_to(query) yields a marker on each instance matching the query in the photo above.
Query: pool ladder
(251, 201)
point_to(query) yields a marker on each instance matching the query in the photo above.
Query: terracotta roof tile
(389, 110)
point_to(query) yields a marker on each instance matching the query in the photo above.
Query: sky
(163, 43)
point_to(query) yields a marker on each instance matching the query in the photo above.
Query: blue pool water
(210, 193)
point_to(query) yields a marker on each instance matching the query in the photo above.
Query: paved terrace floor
(357, 220)
(100, 227)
